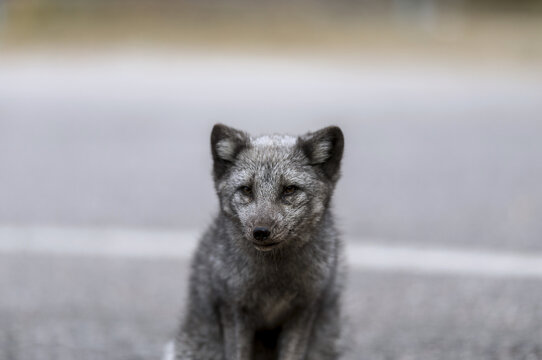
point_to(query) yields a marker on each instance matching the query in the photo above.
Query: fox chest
(269, 299)
(271, 309)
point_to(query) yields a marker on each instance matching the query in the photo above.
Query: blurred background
(106, 109)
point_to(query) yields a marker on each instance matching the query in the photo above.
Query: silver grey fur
(277, 298)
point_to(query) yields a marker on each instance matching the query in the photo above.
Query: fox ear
(226, 143)
(324, 148)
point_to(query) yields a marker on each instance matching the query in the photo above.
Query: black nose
(261, 233)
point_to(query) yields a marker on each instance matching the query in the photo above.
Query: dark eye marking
(289, 190)
(246, 190)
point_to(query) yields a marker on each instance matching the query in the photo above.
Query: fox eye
(289, 190)
(246, 190)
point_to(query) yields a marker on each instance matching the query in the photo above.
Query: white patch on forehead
(274, 140)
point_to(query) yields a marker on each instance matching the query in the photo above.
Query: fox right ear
(324, 148)
(226, 144)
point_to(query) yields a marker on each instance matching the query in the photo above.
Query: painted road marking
(136, 243)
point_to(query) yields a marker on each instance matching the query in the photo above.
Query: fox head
(275, 189)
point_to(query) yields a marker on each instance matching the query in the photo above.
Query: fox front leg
(238, 335)
(295, 336)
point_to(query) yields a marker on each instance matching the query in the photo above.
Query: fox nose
(261, 233)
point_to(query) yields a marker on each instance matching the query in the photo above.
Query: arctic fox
(267, 276)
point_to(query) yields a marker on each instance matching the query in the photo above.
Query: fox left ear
(226, 144)
(324, 148)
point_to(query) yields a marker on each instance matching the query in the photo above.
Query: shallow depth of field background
(105, 113)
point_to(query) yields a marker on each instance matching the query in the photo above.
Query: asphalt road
(435, 154)
(78, 307)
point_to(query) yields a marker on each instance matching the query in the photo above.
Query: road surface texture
(77, 307)
(434, 154)
(441, 158)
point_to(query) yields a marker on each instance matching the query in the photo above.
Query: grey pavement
(82, 307)
(435, 154)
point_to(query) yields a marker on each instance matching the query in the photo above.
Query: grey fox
(267, 276)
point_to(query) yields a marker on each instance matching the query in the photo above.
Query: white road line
(181, 244)
(445, 261)
(98, 241)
